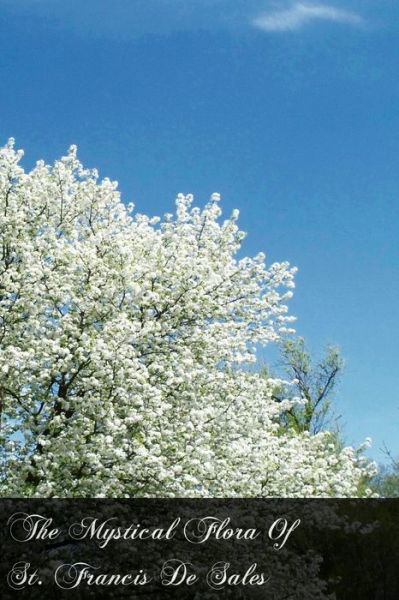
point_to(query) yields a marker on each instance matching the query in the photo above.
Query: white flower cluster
(122, 340)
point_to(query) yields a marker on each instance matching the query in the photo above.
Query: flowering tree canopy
(123, 344)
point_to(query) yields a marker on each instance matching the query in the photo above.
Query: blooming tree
(123, 342)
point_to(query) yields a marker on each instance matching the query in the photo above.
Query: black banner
(277, 549)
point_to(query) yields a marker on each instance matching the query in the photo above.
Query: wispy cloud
(131, 19)
(300, 14)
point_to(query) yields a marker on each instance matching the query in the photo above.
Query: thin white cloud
(124, 20)
(300, 14)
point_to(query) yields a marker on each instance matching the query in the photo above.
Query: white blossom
(123, 347)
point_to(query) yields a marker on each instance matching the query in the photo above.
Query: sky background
(288, 109)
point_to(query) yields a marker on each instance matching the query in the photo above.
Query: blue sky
(288, 109)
